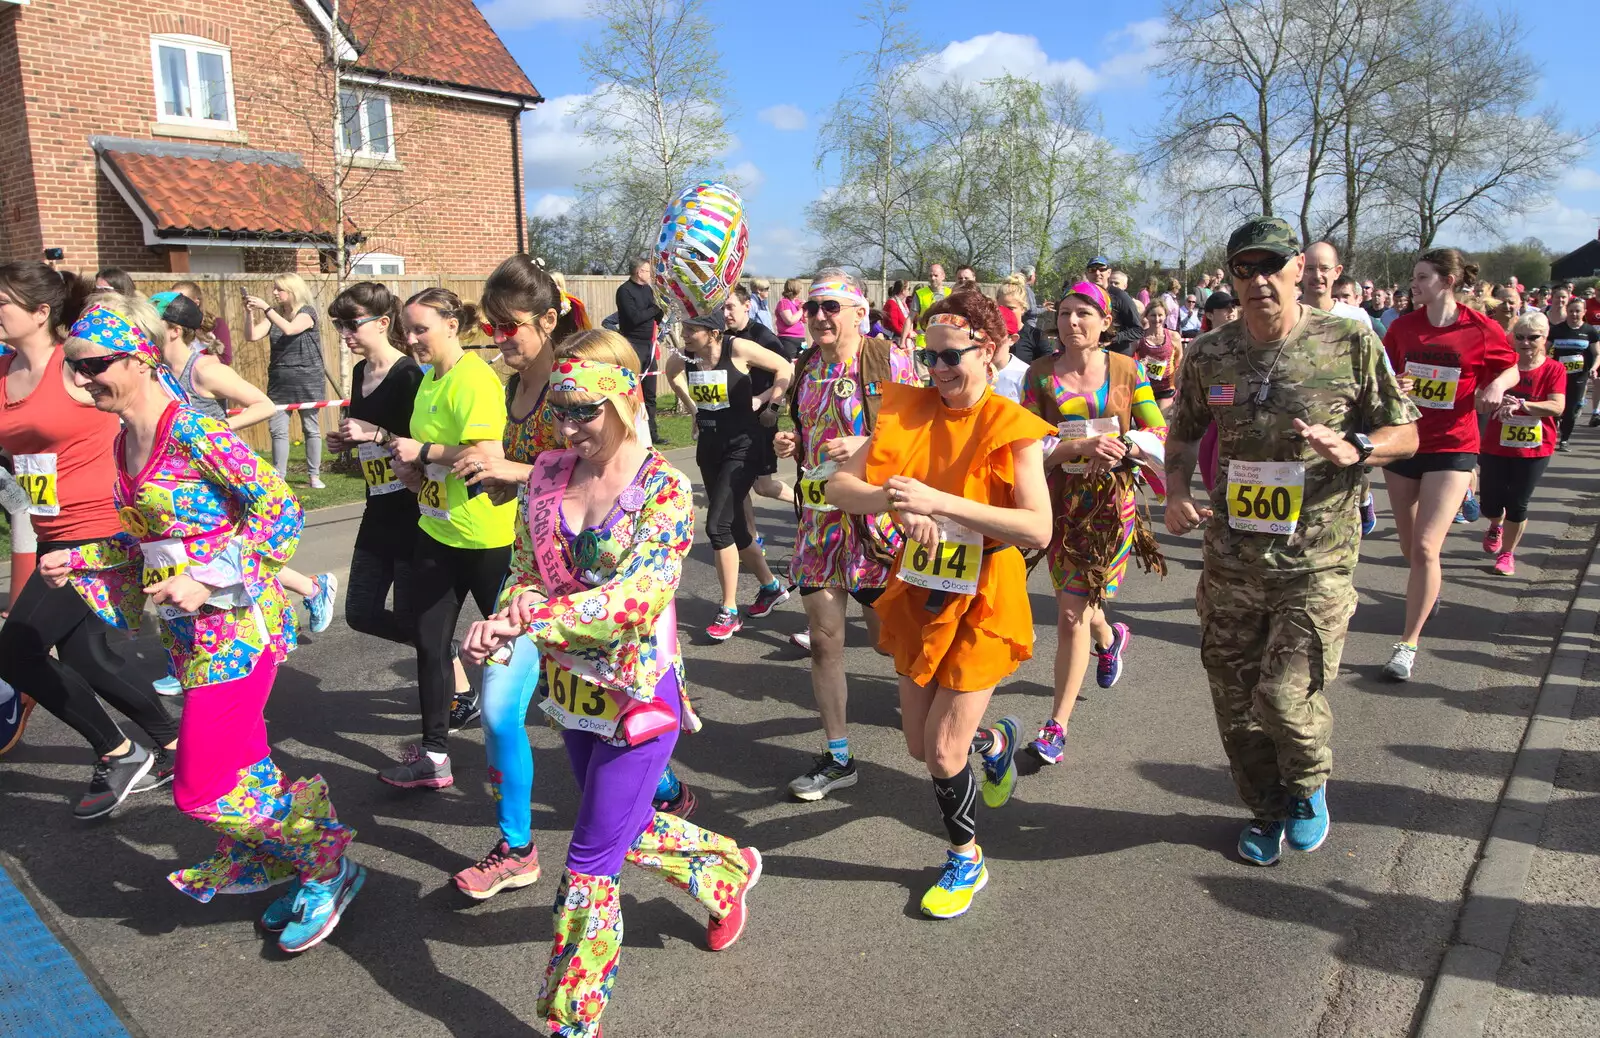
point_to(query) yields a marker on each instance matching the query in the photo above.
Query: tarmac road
(1116, 905)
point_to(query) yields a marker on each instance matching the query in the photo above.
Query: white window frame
(192, 46)
(363, 97)
(374, 260)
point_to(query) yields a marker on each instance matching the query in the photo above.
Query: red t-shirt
(66, 447)
(1447, 365)
(1541, 383)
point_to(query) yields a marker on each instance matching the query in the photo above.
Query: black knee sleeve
(956, 796)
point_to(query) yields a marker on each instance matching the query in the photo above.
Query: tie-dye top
(828, 544)
(204, 504)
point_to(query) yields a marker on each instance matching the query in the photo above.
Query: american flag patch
(1220, 396)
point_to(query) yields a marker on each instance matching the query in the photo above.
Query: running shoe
(464, 709)
(768, 599)
(1504, 564)
(1369, 516)
(682, 805)
(961, 879)
(1000, 769)
(316, 483)
(1308, 822)
(14, 711)
(1261, 843)
(114, 778)
(318, 907)
(1469, 508)
(1400, 662)
(320, 605)
(498, 870)
(1461, 517)
(1109, 667)
(167, 686)
(721, 933)
(281, 912)
(417, 770)
(1562, 446)
(825, 776)
(1051, 744)
(1594, 419)
(1491, 540)
(725, 626)
(801, 641)
(165, 768)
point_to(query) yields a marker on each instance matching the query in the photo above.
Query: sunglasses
(1260, 268)
(577, 414)
(503, 331)
(348, 326)
(89, 367)
(1529, 338)
(827, 306)
(951, 358)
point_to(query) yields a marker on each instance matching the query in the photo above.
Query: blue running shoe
(1109, 669)
(281, 912)
(1469, 508)
(1000, 770)
(1369, 516)
(961, 879)
(168, 686)
(319, 906)
(1051, 744)
(321, 603)
(1261, 843)
(1309, 822)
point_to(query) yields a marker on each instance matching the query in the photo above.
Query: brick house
(199, 135)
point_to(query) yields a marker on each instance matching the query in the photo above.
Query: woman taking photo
(294, 366)
(1095, 400)
(591, 607)
(60, 447)
(464, 537)
(1454, 362)
(713, 382)
(1519, 438)
(204, 527)
(960, 469)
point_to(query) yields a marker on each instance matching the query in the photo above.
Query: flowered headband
(1093, 293)
(572, 375)
(957, 321)
(109, 330)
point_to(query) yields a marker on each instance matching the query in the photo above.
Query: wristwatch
(1362, 443)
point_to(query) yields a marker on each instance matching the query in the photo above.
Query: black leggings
(366, 596)
(1569, 417)
(441, 579)
(728, 476)
(1505, 485)
(42, 617)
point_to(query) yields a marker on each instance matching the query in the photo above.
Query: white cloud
(783, 117)
(1135, 47)
(519, 14)
(1581, 179)
(1559, 224)
(555, 151)
(551, 207)
(779, 251)
(747, 178)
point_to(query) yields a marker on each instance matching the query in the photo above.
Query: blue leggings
(507, 692)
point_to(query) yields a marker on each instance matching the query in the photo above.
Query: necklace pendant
(1261, 394)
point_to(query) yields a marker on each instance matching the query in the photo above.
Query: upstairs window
(194, 82)
(366, 126)
(378, 265)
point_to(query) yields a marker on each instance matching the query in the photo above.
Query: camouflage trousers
(1271, 644)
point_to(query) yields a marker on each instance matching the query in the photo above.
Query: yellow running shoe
(961, 879)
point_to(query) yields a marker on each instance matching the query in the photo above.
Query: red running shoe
(721, 933)
(499, 869)
(725, 626)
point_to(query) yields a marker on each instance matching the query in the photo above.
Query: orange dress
(972, 642)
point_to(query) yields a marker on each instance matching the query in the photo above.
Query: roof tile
(439, 41)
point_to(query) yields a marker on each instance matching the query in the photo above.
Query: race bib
(578, 703)
(432, 501)
(377, 468)
(1082, 429)
(1573, 362)
(813, 487)
(1156, 369)
(164, 560)
(36, 475)
(709, 390)
(1522, 431)
(1265, 496)
(1432, 385)
(951, 565)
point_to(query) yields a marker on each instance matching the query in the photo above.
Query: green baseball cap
(1266, 233)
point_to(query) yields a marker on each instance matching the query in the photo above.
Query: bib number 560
(1261, 502)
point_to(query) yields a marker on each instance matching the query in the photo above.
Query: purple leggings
(617, 785)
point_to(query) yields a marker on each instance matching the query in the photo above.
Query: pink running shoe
(1504, 564)
(1491, 540)
(500, 868)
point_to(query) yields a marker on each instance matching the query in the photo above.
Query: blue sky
(780, 92)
